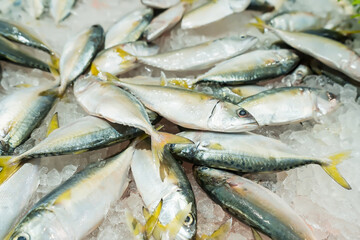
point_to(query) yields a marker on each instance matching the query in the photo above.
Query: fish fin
(55, 73)
(24, 85)
(152, 219)
(54, 124)
(260, 24)
(219, 233)
(81, 151)
(55, 60)
(256, 235)
(49, 92)
(135, 226)
(349, 32)
(333, 171)
(215, 146)
(158, 143)
(8, 167)
(94, 70)
(163, 79)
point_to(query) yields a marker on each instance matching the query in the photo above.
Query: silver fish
(200, 56)
(78, 53)
(160, 3)
(129, 28)
(253, 204)
(60, 9)
(34, 7)
(252, 67)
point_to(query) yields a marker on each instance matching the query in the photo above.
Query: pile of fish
(216, 111)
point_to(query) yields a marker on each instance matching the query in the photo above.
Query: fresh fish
(78, 53)
(289, 105)
(248, 152)
(200, 56)
(297, 76)
(12, 53)
(160, 3)
(129, 28)
(212, 11)
(34, 7)
(297, 21)
(60, 9)
(108, 101)
(247, 90)
(217, 91)
(116, 60)
(15, 195)
(175, 191)
(252, 67)
(327, 51)
(253, 204)
(164, 21)
(76, 207)
(340, 36)
(191, 109)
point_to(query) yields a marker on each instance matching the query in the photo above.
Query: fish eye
(242, 36)
(242, 113)
(22, 236)
(189, 219)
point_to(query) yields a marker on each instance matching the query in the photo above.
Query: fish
(191, 109)
(78, 54)
(252, 153)
(61, 9)
(175, 191)
(15, 195)
(219, 92)
(252, 67)
(129, 28)
(297, 21)
(5, 5)
(247, 90)
(252, 204)
(332, 53)
(103, 99)
(35, 8)
(218, 234)
(162, 4)
(201, 56)
(74, 209)
(289, 105)
(121, 58)
(340, 36)
(297, 76)
(164, 21)
(12, 53)
(212, 11)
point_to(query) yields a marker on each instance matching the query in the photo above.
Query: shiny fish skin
(175, 190)
(253, 204)
(252, 67)
(12, 53)
(60, 9)
(20, 113)
(129, 28)
(15, 195)
(243, 152)
(297, 21)
(200, 56)
(34, 7)
(289, 105)
(160, 3)
(76, 207)
(164, 21)
(78, 53)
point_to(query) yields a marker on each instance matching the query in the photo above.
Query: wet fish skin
(76, 207)
(78, 53)
(20, 113)
(129, 28)
(60, 9)
(200, 56)
(252, 67)
(253, 204)
(160, 3)
(12, 53)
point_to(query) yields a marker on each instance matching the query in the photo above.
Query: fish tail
(260, 24)
(55, 60)
(349, 32)
(219, 233)
(333, 171)
(158, 142)
(8, 166)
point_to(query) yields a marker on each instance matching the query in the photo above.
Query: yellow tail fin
(333, 171)
(158, 143)
(256, 235)
(260, 24)
(54, 124)
(218, 234)
(8, 167)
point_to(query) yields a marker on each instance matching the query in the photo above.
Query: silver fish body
(160, 3)
(78, 53)
(297, 21)
(253, 204)
(252, 67)
(129, 28)
(34, 7)
(289, 105)
(60, 9)
(76, 207)
(200, 56)
(20, 113)
(175, 190)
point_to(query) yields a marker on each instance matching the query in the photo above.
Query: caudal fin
(333, 171)
(8, 167)
(260, 24)
(158, 143)
(218, 234)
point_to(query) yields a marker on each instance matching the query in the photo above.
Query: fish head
(209, 178)
(243, 42)
(324, 101)
(38, 224)
(228, 117)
